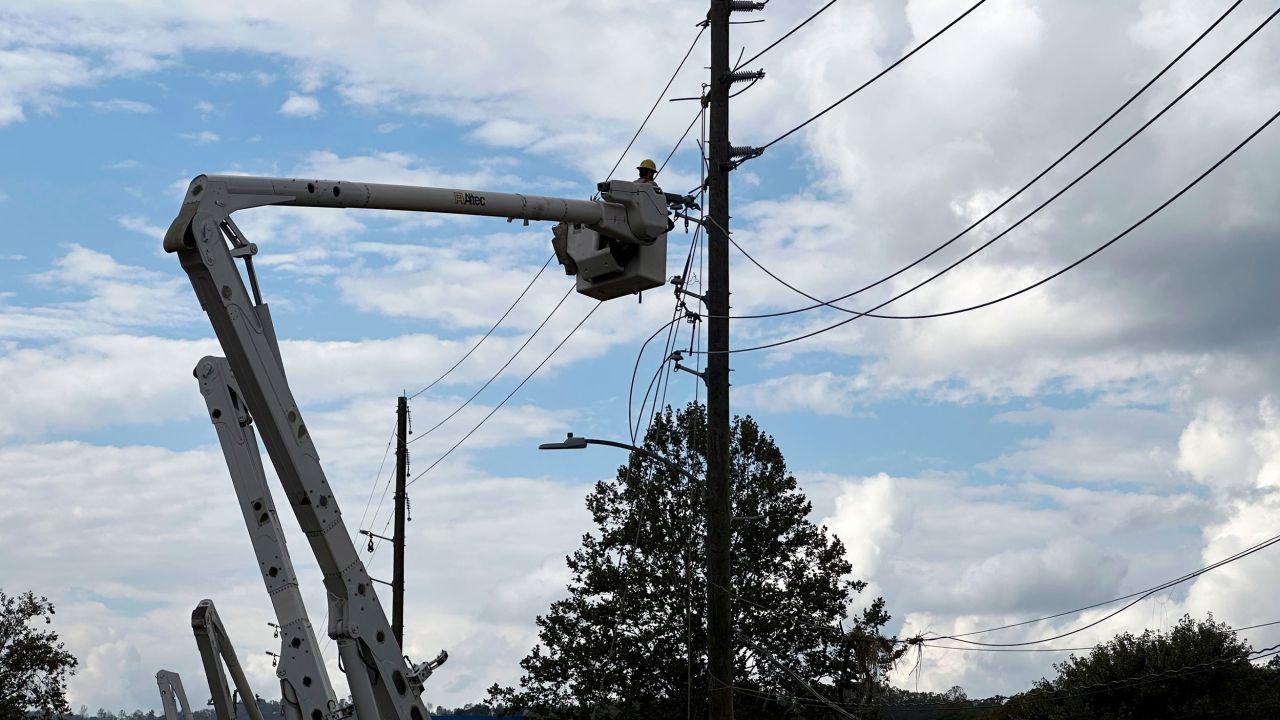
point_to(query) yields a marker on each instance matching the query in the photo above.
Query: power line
(1061, 158)
(1083, 691)
(374, 487)
(1135, 598)
(377, 476)
(682, 137)
(1032, 286)
(790, 32)
(502, 369)
(491, 329)
(702, 29)
(508, 397)
(874, 78)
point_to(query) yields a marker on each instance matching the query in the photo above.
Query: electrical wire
(1061, 158)
(511, 394)
(681, 140)
(789, 33)
(1083, 691)
(1134, 598)
(874, 78)
(502, 369)
(377, 476)
(663, 94)
(490, 330)
(1032, 286)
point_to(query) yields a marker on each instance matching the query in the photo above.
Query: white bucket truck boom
(172, 696)
(305, 689)
(629, 224)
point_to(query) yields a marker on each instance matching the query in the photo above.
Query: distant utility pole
(402, 470)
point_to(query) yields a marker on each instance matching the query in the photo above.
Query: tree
(630, 640)
(34, 665)
(1198, 669)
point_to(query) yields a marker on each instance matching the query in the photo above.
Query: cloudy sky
(1112, 429)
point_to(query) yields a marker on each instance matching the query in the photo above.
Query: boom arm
(629, 212)
(304, 683)
(215, 650)
(383, 683)
(172, 696)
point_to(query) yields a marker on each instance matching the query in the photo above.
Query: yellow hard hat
(647, 165)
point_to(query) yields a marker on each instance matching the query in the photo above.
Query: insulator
(744, 151)
(745, 6)
(742, 75)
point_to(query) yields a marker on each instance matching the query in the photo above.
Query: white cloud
(300, 106)
(204, 137)
(204, 108)
(820, 393)
(108, 296)
(122, 625)
(505, 132)
(136, 107)
(121, 165)
(137, 224)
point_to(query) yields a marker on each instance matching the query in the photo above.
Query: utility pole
(402, 471)
(719, 492)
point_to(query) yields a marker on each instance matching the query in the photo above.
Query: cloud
(204, 137)
(820, 393)
(135, 107)
(121, 165)
(108, 296)
(506, 133)
(121, 624)
(137, 224)
(300, 106)
(204, 108)
(953, 555)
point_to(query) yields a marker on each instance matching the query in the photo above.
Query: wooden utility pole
(402, 471)
(719, 491)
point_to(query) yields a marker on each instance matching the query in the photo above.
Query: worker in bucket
(648, 171)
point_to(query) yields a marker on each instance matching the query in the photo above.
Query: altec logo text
(468, 199)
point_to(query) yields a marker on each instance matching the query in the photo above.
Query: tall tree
(1199, 669)
(34, 665)
(630, 639)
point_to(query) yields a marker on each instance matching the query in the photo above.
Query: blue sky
(1095, 436)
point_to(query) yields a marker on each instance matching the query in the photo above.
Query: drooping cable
(1032, 286)
(490, 330)
(989, 214)
(789, 33)
(504, 401)
(500, 370)
(702, 29)
(874, 78)
(1134, 599)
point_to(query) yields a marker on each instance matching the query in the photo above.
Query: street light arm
(573, 442)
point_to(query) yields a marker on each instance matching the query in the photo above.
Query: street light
(574, 442)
